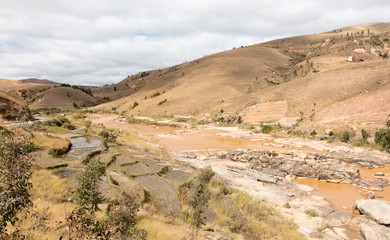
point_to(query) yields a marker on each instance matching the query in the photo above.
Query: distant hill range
(39, 81)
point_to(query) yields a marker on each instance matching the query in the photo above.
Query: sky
(97, 42)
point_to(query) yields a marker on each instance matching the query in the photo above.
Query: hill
(11, 109)
(40, 81)
(63, 98)
(314, 74)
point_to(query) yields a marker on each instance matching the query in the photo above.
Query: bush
(162, 102)
(15, 174)
(382, 138)
(135, 104)
(345, 137)
(155, 94)
(59, 122)
(365, 135)
(311, 213)
(313, 133)
(123, 218)
(266, 129)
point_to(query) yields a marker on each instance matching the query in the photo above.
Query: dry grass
(262, 218)
(49, 195)
(158, 228)
(50, 140)
(49, 187)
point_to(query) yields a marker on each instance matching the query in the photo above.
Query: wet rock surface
(273, 167)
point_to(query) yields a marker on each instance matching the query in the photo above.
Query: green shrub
(266, 129)
(135, 104)
(345, 137)
(155, 94)
(311, 213)
(313, 133)
(162, 102)
(364, 135)
(382, 138)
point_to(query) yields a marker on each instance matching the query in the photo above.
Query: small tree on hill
(88, 194)
(15, 173)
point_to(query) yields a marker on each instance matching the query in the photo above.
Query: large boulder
(377, 210)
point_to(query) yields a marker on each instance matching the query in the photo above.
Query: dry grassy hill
(312, 73)
(63, 98)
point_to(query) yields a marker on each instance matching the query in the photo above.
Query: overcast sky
(97, 42)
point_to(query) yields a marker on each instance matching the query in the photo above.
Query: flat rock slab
(177, 178)
(137, 169)
(373, 231)
(161, 192)
(377, 210)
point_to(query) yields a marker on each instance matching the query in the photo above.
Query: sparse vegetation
(156, 94)
(162, 102)
(266, 129)
(311, 213)
(345, 136)
(88, 193)
(15, 174)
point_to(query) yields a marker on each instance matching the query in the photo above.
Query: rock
(339, 217)
(379, 174)
(303, 170)
(373, 231)
(237, 218)
(209, 215)
(161, 192)
(377, 210)
(369, 184)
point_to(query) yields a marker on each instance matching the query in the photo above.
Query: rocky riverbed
(268, 167)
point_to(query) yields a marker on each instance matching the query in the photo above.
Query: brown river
(175, 139)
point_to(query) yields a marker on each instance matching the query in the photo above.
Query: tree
(88, 194)
(123, 218)
(199, 197)
(15, 173)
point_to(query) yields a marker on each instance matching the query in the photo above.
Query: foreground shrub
(266, 129)
(15, 173)
(382, 138)
(123, 218)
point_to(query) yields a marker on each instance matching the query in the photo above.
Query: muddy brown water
(340, 196)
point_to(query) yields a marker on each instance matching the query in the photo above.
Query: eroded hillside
(314, 74)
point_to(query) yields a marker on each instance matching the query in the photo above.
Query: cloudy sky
(97, 42)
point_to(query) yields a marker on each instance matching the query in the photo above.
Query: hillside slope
(311, 73)
(11, 109)
(63, 98)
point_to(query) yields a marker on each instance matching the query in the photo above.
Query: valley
(294, 134)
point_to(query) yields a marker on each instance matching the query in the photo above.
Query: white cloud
(102, 41)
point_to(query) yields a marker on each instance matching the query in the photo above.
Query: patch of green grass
(311, 213)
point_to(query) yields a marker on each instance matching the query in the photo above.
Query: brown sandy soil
(270, 111)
